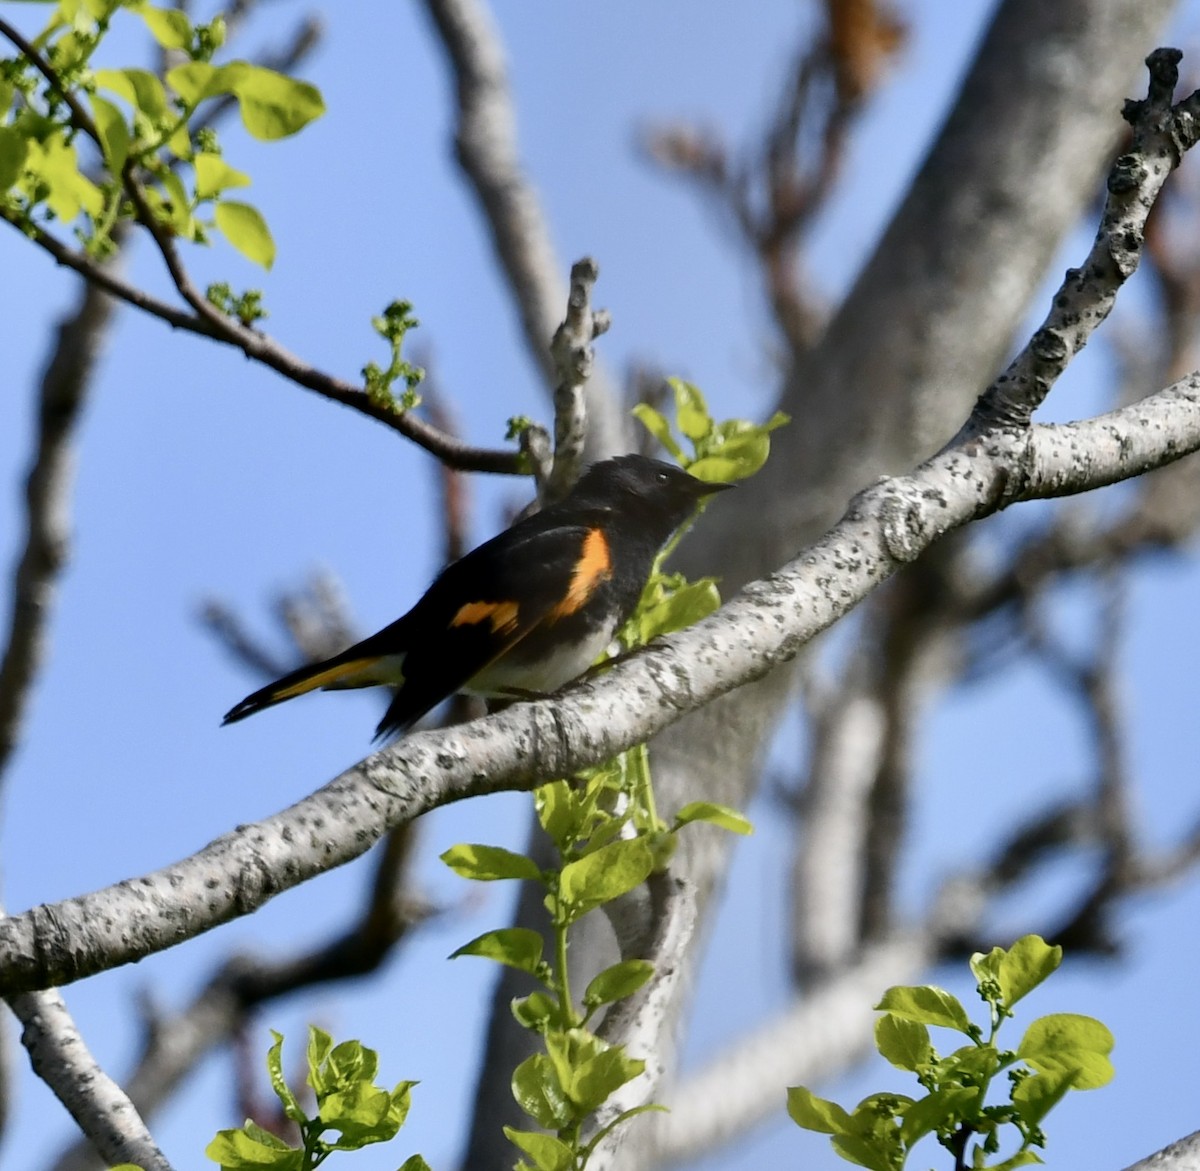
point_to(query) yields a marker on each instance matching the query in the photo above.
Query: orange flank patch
(593, 568)
(503, 615)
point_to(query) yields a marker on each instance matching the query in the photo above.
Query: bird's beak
(708, 487)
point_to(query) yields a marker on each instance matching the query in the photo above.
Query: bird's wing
(485, 604)
(478, 609)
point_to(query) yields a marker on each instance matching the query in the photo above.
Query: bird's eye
(663, 477)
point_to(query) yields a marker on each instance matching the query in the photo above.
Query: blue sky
(201, 475)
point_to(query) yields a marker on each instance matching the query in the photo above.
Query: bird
(524, 613)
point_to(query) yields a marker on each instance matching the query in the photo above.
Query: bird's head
(662, 494)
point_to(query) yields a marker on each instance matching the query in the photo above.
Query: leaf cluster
(155, 154)
(348, 1103)
(392, 325)
(608, 840)
(723, 451)
(1058, 1053)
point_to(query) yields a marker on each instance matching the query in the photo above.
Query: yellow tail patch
(355, 673)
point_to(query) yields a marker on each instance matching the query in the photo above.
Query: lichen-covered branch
(61, 1058)
(887, 526)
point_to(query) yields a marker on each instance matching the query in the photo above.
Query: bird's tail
(350, 669)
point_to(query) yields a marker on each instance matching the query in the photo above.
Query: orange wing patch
(503, 615)
(592, 569)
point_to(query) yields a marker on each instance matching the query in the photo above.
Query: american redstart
(525, 612)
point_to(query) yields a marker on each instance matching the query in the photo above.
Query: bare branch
(1162, 132)
(887, 526)
(826, 882)
(175, 1044)
(486, 145)
(61, 397)
(209, 321)
(574, 359)
(62, 1060)
(1183, 1155)
(265, 350)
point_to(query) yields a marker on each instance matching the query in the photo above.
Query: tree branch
(209, 321)
(575, 360)
(886, 526)
(47, 491)
(486, 146)
(265, 350)
(61, 1058)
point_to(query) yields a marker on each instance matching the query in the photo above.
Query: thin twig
(574, 359)
(207, 320)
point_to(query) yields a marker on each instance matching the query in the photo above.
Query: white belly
(551, 672)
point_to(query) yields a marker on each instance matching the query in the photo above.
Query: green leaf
(139, 87)
(518, 947)
(599, 1077)
(1066, 1041)
(905, 1043)
(273, 105)
(605, 874)
(489, 863)
(247, 231)
(619, 981)
(537, 1012)
(973, 1063)
(13, 152)
(362, 1113)
(539, 1093)
(1020, 1159)
(196, 80)
(1025, 965)
(351, 1062)
(253, 1148)
(113, 131)
(714, 814)
(691, 411)
(214, 175)
(54, 162)
(168, 26)
(737, 459)
(414, 1163)
(985, 966)
(927, 1005)
(657, 425)
(176, 206)
(557, 811)
(679, 609)
(812, 1113)
(320, 1043)
(291, 1105)
(865, 1150)
(1035, 1096)
(938, 1109)
(401, 1102)
(547, 1152)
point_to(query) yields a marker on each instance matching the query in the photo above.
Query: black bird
(525, 612)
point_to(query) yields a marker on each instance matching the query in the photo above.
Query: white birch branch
(762, 627)
(60, 1057)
